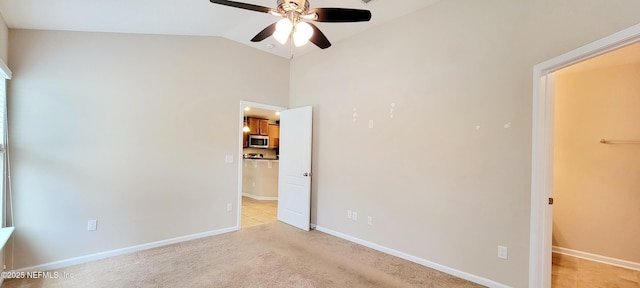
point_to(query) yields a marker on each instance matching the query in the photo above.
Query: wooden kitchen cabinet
(264, 127)
(274, 136)
(254, 126)
(258, 126)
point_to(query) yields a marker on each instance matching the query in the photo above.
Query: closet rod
(605, 141)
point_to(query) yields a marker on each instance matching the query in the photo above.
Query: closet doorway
(542, 187)
(596, 220)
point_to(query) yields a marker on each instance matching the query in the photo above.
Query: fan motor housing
(299, 6)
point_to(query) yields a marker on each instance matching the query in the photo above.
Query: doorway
(258, 164)
(595, 218)
(542, 148)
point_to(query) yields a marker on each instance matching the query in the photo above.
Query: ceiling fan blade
(318, 38)
(340, 15)
(243, 6)
(265, 33)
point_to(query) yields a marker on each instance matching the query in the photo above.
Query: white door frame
(240, 160)
(542, 148)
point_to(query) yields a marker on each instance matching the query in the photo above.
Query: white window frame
(5, 232)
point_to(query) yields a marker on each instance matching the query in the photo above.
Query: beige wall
(260, 178)
(131, 130)
(444, 179)
(4, 40)
(596, 186)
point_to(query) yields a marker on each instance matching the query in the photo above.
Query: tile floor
(258, 212)
(572, 272)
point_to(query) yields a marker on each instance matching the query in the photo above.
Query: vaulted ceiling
(191, 17)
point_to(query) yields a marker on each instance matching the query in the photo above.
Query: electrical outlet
(349, 214)
(92, 225)
(354, 216)
(370, 220)
(229, 207)
(502, 252)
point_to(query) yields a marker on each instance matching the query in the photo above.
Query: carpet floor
(270, 255)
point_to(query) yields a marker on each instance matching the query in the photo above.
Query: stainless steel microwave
(258, 141)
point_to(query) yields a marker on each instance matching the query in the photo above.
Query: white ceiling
(191, 17)
(262, 113)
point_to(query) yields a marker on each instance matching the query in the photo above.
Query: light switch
(502, 252)
(228, 159)
(92, 225)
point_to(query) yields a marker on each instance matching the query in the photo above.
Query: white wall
(448, 178)
(131, 130)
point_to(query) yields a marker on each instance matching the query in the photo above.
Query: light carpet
(270, 255)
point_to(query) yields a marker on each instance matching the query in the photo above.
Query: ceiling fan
(292, 24)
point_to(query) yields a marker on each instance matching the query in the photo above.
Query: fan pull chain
(291, 48)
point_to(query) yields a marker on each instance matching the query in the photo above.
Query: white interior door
(294, 180)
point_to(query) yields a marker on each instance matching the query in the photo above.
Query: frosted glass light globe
(302, 34)
(283, 30)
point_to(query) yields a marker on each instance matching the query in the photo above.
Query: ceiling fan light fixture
(311, 16)
(283, 30)
(293, 11)
(302, 34)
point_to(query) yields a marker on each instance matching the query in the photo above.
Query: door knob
(306, 174)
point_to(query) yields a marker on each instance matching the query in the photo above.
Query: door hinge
(550, 201)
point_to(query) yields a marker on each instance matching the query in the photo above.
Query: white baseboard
(261, 198)
(121, 251)
(597, 258)
(436, 266)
